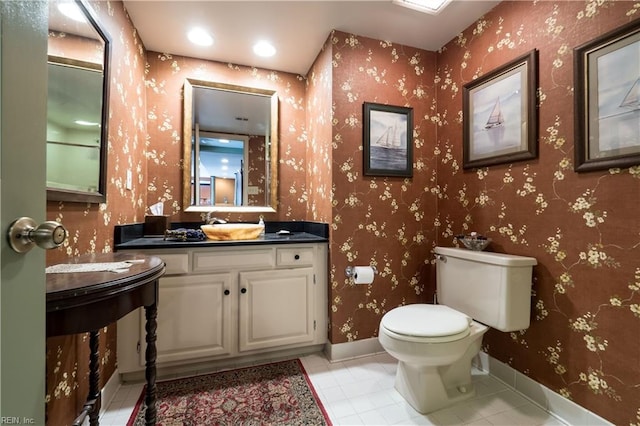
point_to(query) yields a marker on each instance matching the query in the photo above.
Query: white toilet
(435, 344)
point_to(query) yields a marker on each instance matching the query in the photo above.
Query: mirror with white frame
(78, 89)
(230, 148)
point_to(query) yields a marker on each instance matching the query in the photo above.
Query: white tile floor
(361, 392)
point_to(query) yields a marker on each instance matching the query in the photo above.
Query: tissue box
(156, 225)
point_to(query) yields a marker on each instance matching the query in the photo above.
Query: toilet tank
(492, 288)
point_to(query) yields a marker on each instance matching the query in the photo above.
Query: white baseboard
(355, 349)
(185, 369)
(564, 409)
(556, 404)
(109, 391)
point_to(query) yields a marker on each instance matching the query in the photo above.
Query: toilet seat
(426, 323)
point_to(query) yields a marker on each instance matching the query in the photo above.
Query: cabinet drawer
(175, 263)
(297, 256)
(225, 260)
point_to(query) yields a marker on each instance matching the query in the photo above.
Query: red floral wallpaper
(582, 228)
(387, 222)
(256, 176)
(90, 226)
(319, 153)
(165, 76)
(71, 46)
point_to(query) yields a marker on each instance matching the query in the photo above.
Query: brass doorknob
(23, 234)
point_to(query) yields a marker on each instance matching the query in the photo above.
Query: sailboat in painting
(632, 98)
(496, 118)
(390, 138)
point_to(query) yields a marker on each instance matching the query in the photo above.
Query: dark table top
(64, 288)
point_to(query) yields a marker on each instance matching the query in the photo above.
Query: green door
(23, 92)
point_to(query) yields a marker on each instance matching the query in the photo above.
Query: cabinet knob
(296, 257)
(243, 291)
(227, 292)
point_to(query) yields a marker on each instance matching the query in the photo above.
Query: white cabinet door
(194, 317)
(276, 308)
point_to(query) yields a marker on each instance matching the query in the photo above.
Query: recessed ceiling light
(224, 160)
(86, 123)
(71, 10)
(200, 37)
(432, 7)
(264, 48)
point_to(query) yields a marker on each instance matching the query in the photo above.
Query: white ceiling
(225, 111)
(297, 28)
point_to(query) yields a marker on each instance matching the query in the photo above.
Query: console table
(79, 302)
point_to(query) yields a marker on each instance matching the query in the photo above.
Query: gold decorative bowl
(232, 231)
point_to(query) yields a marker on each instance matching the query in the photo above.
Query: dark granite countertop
(131, 237)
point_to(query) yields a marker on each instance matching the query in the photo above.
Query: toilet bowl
(434, 359)
(436, 343)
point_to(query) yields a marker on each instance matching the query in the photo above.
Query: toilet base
(432, 376)
(424, 390)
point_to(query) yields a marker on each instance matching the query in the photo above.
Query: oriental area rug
(272, 394)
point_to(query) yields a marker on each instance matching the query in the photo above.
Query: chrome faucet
(210, 220)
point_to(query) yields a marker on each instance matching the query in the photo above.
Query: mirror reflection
(221, 176)
(230, 147)
(78, 50)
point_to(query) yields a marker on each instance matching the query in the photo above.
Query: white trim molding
(564, 409)
(349, 350)
(556, 404)
(109, 391)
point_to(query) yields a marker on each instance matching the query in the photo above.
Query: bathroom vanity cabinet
(220, 302)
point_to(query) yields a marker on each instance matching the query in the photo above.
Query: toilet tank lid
(487, 257)
(426, 320)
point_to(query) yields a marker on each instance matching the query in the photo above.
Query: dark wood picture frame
(388, 140)
(607, 100)
(500, 114)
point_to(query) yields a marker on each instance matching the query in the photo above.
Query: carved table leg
(151, 312)
(94, 376)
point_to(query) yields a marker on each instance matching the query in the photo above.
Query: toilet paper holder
(349, 271)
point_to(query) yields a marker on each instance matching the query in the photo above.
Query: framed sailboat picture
(607, 100)
(500, 121)
(388, 140)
